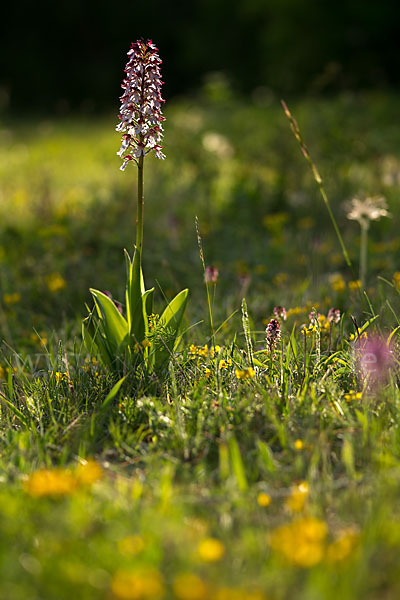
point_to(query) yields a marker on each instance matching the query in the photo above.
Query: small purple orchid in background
(280, 313)
(211, 274)
(273, 332)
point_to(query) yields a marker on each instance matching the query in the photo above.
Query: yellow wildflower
(11, 299)
(396, 279)
(299, 445)
(88, 473)
(214, 350)
(210, 550)
(248, 373)
(2, 373)
(354, 285)
(207, 372)
(224, 364)
(298, 497)
(337, 282)
(301, 542)
(55, 282)
(51, 482)
(263, 499)
(60, 377)
(353, 395)
(341, 548)
(229, 593)
(146, 584)
(146, 343)
(188, 586)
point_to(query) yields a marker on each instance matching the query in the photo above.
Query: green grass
(295, 476)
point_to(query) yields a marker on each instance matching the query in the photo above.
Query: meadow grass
(241, 472)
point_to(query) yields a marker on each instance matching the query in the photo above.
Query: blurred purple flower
(211, 274)
(373, 359)
(334, 316)
(280, 313)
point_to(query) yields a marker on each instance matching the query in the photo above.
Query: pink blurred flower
(280, 313)
(211, 274)
(334, 316)
(373, 359)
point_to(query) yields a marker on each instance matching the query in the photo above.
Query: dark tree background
(70, 54)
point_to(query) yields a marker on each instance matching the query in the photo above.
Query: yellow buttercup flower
(145, 584)
(188, 586)
(55, 282)
(248, 373)
(298, 497)
(51, 482)
(11, 299)
(211, 550)
(263, 499)
(301, 542)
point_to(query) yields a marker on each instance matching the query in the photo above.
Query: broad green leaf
(168, 328)
(94, 342)
(134, 292)
(139, 320)
(115, 326)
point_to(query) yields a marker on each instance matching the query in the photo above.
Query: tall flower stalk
(141, 340)
(364, 211)
(141, 117)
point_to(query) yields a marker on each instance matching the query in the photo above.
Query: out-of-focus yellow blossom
(145, 584)
(88, 473)
(396, 279)
(297, 310)
(337, 282)
(131, 545)
(263, 499)
(210, 550)
(301, 542)
(62, 482)
(146, 344)
(354, 285)
(11, 299)
(188, 586)
(55, 282)
(353, 395)
(204, 351)
(299, 444)
(343, 547)
(298, 497)
(2, 373)
(51, 482)
(207, 372)
(229, 593)
(248, 373)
